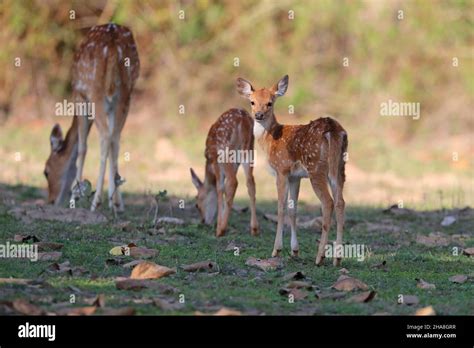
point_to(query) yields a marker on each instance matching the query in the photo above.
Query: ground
(402, 246)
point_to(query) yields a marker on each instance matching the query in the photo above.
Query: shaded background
(426, 163)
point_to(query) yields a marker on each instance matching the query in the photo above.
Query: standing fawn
(104, 72)
(229, 143)
(313, 151)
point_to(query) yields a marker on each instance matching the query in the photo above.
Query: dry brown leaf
(169, 220)
(139, 284)
(221, 312)
(24, 307)
(42, 246)
(118, 311)
(382, 266)
(420, 283)
(410, 300)
(208, 266)
(167, 305)
(349, 284)
(125, 226)
(344, 271)
(21, 238)
(50, 256)
(434, 239)
(468, 251)
(460, 278)
(294, 276)
(266, 265)
(425, 311)
(363, 297)
(150, 270)
(73, 311)
(140, 252)
(330, 295)
(17, 281)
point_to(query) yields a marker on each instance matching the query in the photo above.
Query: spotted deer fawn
(229, 143)
(104, 72)
(313, 151)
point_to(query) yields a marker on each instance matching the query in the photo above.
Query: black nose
(259, 115)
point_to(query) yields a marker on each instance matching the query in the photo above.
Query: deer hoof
(319, 260)
(276, 253)
(295, 253)
(254, 231)
(337, 262)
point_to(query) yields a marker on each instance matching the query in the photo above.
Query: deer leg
(319, 183)
(248, 169)
(282, 195)
(230, 188)
(220, 195)
(115, 197)
(104, 152)
(339, 207)
(293, 189)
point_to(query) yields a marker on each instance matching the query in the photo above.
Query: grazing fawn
(313, 151)
(229, 143)
(104, 72)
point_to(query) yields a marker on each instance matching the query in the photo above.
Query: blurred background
(344, 59)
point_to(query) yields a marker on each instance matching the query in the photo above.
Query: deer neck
(70, 153)
(267, 131)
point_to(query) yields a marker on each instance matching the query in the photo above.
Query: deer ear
(196, 181)
(56, 138)
(244, 88)
(280, 88)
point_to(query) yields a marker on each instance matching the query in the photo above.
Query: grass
(238, 286)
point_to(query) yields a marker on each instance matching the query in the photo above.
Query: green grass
(238, 286)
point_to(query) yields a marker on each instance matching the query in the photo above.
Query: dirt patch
(29, 213)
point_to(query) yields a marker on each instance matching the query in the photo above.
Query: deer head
(60, 167)
(206, 199)
(262, 100)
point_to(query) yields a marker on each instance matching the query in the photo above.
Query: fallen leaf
(343, 271)
(410, 300)
(310, 224)
(363, 297)
(296, 294)
(349, 284)
(28, 213)
(150, 270)
(433, 239)
(425, 311)
(24, 238)
(382, 266)
(73, 311)
(125, 226)
(49, 256)
(118, 311)
(42, 246)
(266, 265)
(24, 307)
(468, 251)
(167, 305)
(132, 264)
(460, 278)
(16, 281)
(208, 266)
(396, 210)
(140, 252)
(239, 209)
(116, 251)
(448, 220)
(420, 283)
(222, 312)
(139, 284)
(294, 276)
(330, 295)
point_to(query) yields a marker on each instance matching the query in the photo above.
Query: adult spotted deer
(229, 143)
(104, 72)
(313, 151)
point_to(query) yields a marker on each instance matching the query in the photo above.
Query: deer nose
(259, 115)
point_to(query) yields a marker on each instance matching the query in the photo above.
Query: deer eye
(253, 103)
(45, 174)
(269, 104)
